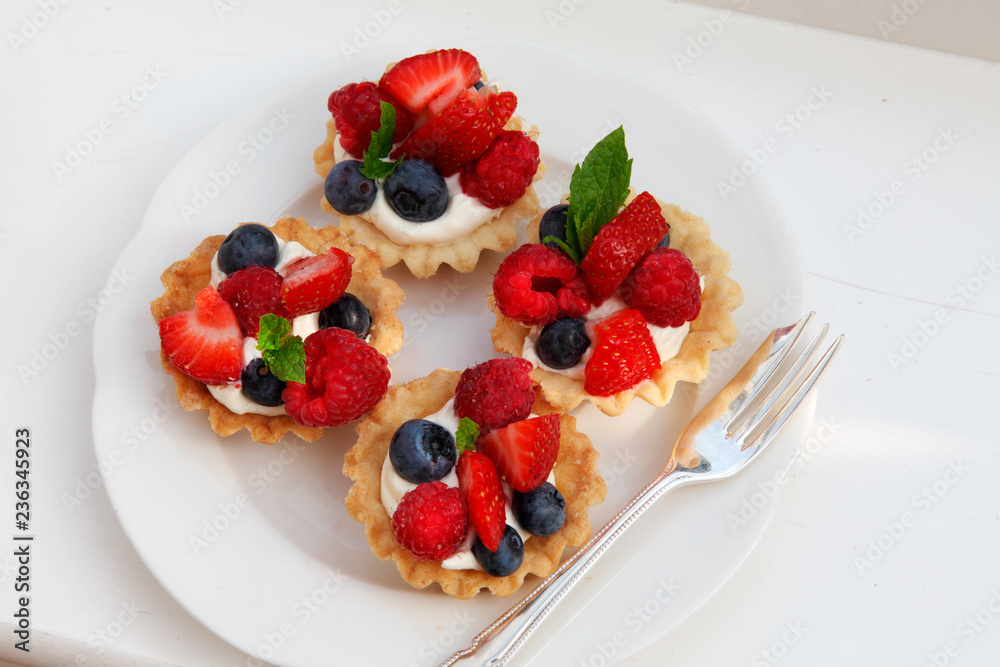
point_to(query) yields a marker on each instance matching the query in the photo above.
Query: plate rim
(250, 110)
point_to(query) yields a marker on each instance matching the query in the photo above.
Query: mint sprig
(282, 351)
(375, 166)
(467, 434)
(597, 189)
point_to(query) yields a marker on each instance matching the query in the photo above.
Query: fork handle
(498, 643)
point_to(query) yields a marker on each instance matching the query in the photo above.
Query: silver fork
(729, 433)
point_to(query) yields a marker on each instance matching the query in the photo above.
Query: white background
(835, 580)
(966, 27)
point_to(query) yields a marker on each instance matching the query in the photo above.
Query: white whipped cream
(668, 340)
(231, 395)
(463, 215)
(393, 487)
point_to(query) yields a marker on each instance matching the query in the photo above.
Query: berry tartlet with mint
(278, 329)
(617, 295)
(429, 165)
(471, 480)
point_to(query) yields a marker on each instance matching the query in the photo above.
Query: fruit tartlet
(471, 480)
(430, 165)
(278, 329)
(616, 295)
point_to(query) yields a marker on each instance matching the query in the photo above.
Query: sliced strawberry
(439, 76)
(204, 342)
(313, 283)
(624, 354)
(525, 451)
(459, 133)
(502, 106)
(620, 244)
(480, 484)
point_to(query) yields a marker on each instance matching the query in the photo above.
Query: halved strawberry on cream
(205, 342)
(429, 81)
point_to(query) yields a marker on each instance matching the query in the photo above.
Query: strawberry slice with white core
(204, 342)
(313, 283)
(525, 451)
(437, 77)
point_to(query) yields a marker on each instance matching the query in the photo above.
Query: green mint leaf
(597, 189)
(282, 351)
(466, 436)
(272, 329)
(566, 247)
(288, 362)
(375, 167)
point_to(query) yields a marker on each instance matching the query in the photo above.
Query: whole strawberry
(431, 521)
(345, 378)
(253, 292)
(535, 285)
(665, 288)
(620, 244)
(495, 393)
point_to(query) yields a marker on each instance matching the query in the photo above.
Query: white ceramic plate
(255, 542)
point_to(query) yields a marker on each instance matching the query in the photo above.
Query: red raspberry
(664, 287)
(502, 174)
(431, 520)
(345, 378)
(357, 113)
(495, 393)
(535, 285)
(252, 292)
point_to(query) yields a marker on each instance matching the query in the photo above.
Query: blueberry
(542, 511)
(553, 223)
(260, 385)
(422, 451)
(479, 84)
(347, 312)
(416, 191)
(246, 245)
(506, 559)
(348, 190)
(563, 342)
(665, 242)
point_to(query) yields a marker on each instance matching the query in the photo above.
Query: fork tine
(796, 398)
(775, 392)
(784, 340)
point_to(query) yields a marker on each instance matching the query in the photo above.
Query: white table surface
(902, 422)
